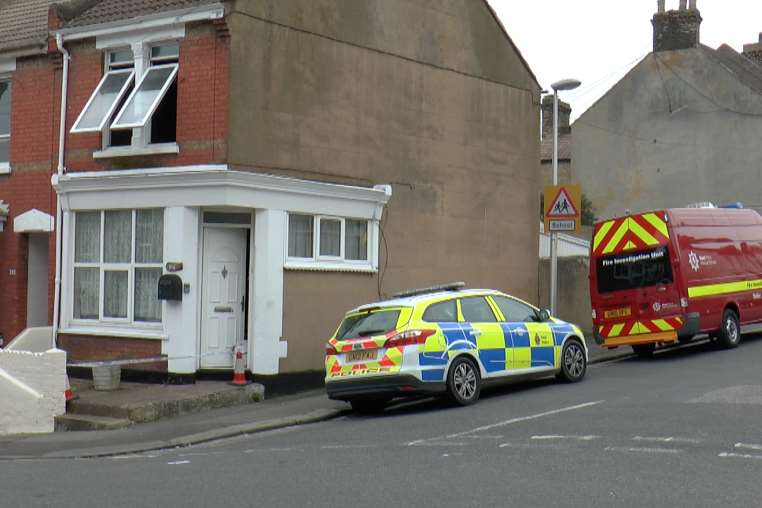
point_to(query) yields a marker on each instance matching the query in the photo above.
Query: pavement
(179, 416)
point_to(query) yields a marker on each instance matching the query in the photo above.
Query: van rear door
(633, 286)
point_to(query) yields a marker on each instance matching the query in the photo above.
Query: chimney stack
(754, 51)
(564, 116)
(678, 29)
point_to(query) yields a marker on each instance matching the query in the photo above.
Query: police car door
(521, 333)
(481, 326)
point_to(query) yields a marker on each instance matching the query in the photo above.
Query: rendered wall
(678, 129)
(32, 390)
(429, 97)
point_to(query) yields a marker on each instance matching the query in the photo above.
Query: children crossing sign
(562, 208)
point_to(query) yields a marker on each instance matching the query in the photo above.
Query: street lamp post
(563, 85)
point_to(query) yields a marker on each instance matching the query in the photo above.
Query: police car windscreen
(368, 324)
(633, 270)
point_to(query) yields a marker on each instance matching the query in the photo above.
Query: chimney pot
(692, 5)
(683, 4)
(674, 30)
(662, 6)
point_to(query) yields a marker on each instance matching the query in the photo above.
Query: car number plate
(361, 356)
(617, 313)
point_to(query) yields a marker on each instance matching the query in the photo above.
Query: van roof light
(452, 286)
(701, 204)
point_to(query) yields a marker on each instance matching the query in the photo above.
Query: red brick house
(272, 164)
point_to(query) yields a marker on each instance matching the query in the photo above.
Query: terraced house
(243, 172)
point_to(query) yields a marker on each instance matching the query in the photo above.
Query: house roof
(24, 24)
(82, 13)
(743, 68)
(564, 148)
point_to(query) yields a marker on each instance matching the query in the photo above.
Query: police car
(446, 340)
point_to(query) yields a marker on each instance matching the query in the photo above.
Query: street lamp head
(565, 84)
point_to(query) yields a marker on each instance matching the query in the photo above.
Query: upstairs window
(5, 123)
(127, 98)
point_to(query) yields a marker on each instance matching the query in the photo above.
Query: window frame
(462, 316)
(501, 315)
(326, 262)
(146, 119)
(105, 119)
(5, 166)
(103, 267)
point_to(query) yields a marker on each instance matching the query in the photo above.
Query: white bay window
(118, 258)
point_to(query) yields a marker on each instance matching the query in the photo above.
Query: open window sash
(104, 100)
(145, 98)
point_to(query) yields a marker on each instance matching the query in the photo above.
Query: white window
(118, 258)
(146, 97)
(135, 103)
(104, 101)
(5, 124)
(328, 242)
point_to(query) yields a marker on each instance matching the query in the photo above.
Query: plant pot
(107, 378)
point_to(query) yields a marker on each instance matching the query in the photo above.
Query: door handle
(223, 308)
(475, 333)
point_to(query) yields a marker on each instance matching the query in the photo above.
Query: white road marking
(534, 446)
(200, 454)
(570, 438)
(255, 450)
(346, 447)
(508, 422)
(484, 437)
(748, 446)
(642, 450)
(439, 443)
(739, 456)
(668, 439)
(178, 462)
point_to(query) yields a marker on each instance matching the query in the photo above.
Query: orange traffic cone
(68, 392)
(239, 374)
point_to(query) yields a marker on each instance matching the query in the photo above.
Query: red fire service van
(665, 276)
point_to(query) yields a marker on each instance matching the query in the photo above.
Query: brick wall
(202, 103)
(82, 348)
(34, 110)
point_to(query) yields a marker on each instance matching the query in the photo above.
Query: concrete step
(147, 403)
(89, 422)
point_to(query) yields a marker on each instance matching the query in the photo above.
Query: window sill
(102, 331)
(328, 267)
(129, 151)
(5, 168)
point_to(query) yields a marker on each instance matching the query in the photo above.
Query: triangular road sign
(562, 205)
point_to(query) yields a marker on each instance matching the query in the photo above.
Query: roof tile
(23, 23)
(108, 11)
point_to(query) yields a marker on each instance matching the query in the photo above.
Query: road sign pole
(553, 234)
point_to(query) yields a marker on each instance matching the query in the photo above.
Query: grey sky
(598, 41)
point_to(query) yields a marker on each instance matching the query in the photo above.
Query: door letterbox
(170, 287)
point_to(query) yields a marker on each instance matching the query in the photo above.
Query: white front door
(222, 318)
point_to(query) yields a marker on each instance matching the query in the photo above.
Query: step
(89, 422)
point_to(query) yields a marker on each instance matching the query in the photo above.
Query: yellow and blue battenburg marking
(499, 346)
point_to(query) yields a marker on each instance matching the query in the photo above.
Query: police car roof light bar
(452, 286)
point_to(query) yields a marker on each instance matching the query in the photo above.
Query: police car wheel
(463, 382)
(573, 362)
(368, 406)
(730, 330)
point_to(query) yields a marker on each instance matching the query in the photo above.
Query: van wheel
(730, 331)
(644, 351)
(463, 382)
(573, 362)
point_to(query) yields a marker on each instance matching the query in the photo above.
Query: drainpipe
(60, 172)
